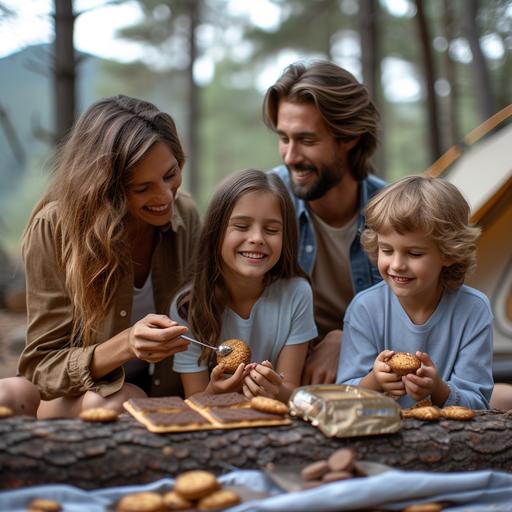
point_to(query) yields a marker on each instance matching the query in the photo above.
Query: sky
(95, 33)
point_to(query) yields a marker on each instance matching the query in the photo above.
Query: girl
(418, 235)
(248, 285)
(105, 249)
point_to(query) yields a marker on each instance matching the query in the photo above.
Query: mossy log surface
(95, 455)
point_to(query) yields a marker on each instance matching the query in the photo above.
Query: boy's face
(411, 265)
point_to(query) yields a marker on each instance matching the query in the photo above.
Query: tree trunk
(451, 118)
(428, 65)
(94, 455)
(478, 63)
(370, 60)
(193, 101)
(64, 68)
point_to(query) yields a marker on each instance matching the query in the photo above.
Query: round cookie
(196, 484)
(403, 363)
(315, 470)
(219, 500)
(98, 414)
(457, 412)
(424, 507)
(241, 353)
(265, 404)
(5, 412)
(334, 476)
(426, 413)
(342, 460)
(43, 505)
(141, 502)
(173, 501)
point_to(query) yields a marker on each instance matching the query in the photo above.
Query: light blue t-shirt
(283, 315)
(457, 337)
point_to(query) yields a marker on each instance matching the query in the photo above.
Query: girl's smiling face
(152, 188)
(253, 239)
(411, 265)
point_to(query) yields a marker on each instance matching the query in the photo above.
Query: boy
(417, 233)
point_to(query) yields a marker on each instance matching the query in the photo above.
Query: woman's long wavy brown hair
(204, 303)
(89, 185)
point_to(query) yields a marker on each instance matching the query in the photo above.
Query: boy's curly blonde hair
(433, 206)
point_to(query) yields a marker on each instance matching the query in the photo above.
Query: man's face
(315, 160)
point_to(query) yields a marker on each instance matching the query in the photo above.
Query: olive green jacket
(49, 360)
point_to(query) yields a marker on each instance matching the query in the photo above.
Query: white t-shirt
(283, 315)
(143, 304)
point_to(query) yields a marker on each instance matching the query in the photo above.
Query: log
(94, 455)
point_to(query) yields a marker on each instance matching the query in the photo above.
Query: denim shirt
(364, 274)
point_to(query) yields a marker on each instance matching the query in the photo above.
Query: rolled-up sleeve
(50, 359)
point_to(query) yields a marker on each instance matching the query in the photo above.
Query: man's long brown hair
(204, 303)
(88, 184)
(342, 101)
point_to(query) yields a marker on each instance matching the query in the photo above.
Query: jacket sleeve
(49, 360)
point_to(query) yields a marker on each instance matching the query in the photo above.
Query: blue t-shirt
(457, 337)
(283, 315)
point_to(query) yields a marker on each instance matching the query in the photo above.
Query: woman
(105, 250)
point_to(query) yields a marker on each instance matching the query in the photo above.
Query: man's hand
(321, 364)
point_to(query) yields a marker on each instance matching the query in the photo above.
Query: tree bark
(64, 68)
(428, 65)
(193, 114)
(370, 61)
(93, 455)
(478, 63)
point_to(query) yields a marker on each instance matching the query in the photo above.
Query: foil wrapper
(339, 410)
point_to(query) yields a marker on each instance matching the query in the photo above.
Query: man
(327, 129)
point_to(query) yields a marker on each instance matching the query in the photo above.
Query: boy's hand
(388, 381)
(421, 384)
(219, 384)
(262, 380)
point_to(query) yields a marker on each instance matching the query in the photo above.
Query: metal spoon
(221, 350)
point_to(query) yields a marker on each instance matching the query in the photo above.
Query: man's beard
(327, 177)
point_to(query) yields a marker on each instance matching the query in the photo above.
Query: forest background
(435, 68)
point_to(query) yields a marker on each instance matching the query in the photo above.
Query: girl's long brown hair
(204, 303)
(88, 183)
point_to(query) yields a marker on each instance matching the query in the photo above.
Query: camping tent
(481, 167)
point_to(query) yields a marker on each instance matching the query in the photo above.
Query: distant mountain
(26, 94)
(27, 97)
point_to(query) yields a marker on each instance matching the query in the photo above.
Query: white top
(283, 315)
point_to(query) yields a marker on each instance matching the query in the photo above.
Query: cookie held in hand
(403, 363)
(241, 353)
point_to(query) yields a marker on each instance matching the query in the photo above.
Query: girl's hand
(421, 384)
(262, 380)
(389, 382)
(156, 337)
(219, 384)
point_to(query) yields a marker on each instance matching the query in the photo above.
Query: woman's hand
(388, 381)
(262, 380)
(156, 337)
(219, 384)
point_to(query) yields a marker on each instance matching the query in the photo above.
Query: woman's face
(151, 191)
